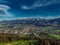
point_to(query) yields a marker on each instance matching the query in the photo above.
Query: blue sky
(16, 9)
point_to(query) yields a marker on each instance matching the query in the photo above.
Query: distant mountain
(34, 21)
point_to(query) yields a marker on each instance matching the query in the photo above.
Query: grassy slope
(22, 42)
(54, 36)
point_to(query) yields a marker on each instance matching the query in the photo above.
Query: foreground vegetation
(21, 42)
(10, 39)
(54, 36)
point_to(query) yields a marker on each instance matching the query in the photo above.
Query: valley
(30, 32)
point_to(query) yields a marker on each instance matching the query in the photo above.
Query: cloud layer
(4, 13)
(3, 10)
(40, 3)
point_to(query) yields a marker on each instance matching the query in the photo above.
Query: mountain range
(34, 21)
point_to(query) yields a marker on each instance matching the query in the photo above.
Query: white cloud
(5, 14)
(4, 11)
(26, 7)
(4, 7)
(40, 3)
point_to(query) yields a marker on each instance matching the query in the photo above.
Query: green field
(54, 36)
(22, 42)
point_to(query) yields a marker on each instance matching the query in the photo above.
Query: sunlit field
(22, 42)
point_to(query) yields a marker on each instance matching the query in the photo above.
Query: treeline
(8, 38)
(39, 40)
